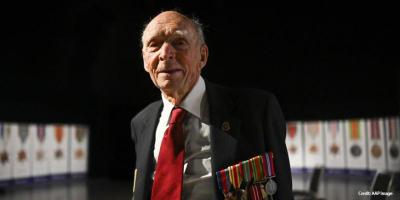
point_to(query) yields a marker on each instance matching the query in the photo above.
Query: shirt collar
(192, 102)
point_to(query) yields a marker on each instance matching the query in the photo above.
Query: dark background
(80, 62)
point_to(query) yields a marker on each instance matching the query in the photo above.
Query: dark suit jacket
(256, 126)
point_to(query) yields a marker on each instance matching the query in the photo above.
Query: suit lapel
(148, 137)
(225, 129)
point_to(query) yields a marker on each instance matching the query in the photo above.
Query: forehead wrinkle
(166, 31)
(165, 24)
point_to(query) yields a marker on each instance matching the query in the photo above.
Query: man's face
(173, 54)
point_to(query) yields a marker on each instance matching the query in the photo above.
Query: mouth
(170, 71)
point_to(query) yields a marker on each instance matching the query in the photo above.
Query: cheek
(150, 63)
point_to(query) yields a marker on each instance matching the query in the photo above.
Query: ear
(203, 55)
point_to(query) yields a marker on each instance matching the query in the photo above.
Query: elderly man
(199, 128)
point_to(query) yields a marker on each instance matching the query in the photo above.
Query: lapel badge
(226, 126)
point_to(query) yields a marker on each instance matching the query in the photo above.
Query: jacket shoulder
(143, 115)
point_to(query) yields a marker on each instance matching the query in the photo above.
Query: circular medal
(334, 149)
(21, 156)
(292, 149)
(58, 154)
(313, 149)
(355, 150)
(3, 157)
(394, 151)
(243, 194)
(78, 153)
(376, 151)
(229, 196)
(271, 187)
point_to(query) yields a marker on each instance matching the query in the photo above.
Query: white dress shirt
(197, 179)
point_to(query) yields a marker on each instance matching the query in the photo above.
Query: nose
(167, 52)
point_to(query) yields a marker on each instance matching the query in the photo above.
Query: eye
(180, 44)
(153, 46)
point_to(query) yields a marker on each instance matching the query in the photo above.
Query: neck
(176, 97)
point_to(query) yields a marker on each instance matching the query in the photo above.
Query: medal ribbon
(1, 131)
(23, 133)
(255, 192)
(259, 168)
(393, 129)
(41, 133)
(233, 177)
(292, 130)
(223, 180)
(354, 129)
(246, 171)
(313, 129)
(269, 164)
(333, 128)
(375, 129)
(59, 134)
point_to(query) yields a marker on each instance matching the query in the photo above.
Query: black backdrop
(79, 62)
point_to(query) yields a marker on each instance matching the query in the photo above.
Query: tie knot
(177, 115)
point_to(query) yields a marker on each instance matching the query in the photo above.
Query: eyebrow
(179, 33)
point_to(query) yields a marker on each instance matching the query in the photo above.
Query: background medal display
(294, 143)
(4, 138)
(392, 130)
(23, 157)
(23, 135)
(334, 149)
(355, 150)
(58, 136)
(79, 137)
(376, 151)
(314, 142)
(41, 161)
(376, 144)
(356, 140)
(5, 150)
(394, 151)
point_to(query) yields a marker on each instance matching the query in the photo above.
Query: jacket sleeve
(133, 136)
(274, 136)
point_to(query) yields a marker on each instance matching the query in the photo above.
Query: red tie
(169, 171)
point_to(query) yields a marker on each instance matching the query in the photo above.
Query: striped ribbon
(252, 172)
(255, 192)
(393, 129)
(355, 130)
(375, 129)
(1, 131)
(224, 183)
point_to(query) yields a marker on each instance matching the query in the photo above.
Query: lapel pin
(226, 126)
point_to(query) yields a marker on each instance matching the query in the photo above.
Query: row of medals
(355, 150)
(266, 188)
(4, 158)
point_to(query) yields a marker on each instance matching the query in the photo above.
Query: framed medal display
(334, 144)
(41, 152)
(376, 144)
(58, 137)
(294, 144)
(22, 159)
(78, 149)
(392, 129)
(314, 142)
(5, 153)
(356, 144)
